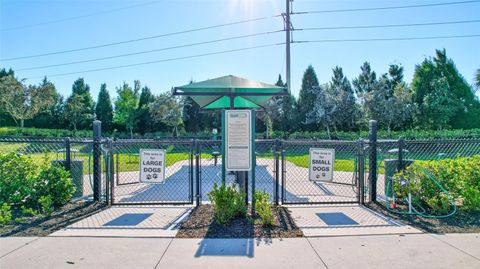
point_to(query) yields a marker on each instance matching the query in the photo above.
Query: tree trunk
(22, 123)
(131, 133)
(328, 132)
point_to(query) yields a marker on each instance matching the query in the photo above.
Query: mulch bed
(23, 225)
(461, 222)
(200, 224)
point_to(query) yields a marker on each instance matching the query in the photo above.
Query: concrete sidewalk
(366, 251)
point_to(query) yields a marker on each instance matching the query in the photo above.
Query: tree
(5, 73)
(325, 107)
(23, 102)
(286, 117)
(75, 111)
(440, 105)
(366, 81)
(53, 117)
(144, 121)
(306, 100)
(83, 105)
(104, 109)
(441, 70)
(346, 112)
(477, 78)
(192, 117)
(126, 106)
(168, 110)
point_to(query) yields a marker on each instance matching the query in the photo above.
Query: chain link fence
(194, 166)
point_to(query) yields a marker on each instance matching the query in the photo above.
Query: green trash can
(76, 172)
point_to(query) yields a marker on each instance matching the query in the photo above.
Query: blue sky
(36, 27)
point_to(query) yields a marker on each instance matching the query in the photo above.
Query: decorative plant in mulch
(227, 217)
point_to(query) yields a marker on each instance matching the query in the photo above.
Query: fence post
(282, 153)
(97, 180)
(111, 172)
(361, 172)
(401, 145)
(277, 166)
(372, 157)
(191, 169)
(197, 174)
(68, 160)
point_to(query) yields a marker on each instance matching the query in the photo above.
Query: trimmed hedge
(409, 134)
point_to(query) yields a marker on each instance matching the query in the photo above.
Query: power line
(386, 39)
(78, 17)
(151, 51)
(386, 26)
(161, 61)
(138, 39)
(386, 8)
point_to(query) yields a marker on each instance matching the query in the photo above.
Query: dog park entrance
(192, 167)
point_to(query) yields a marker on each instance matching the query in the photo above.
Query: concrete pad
(241, 253)
(88, 252)
(390, 251)
(469, 243)
(163, 222)
(369, 222)
(9, 244)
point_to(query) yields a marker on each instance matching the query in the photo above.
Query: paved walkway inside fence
(130, 221)
(345, 220)
(369, 251)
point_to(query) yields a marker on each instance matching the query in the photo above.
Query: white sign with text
(321, 164)
(238, 146)
(152, 165)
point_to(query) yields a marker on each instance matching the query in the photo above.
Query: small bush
(5, 214)
(264, 207)
(228, 203)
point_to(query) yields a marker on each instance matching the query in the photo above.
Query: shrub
(5, 214)
(34, 189)
(17, 176)
(228, 203)
(460, 177)
(264, 207)
(55, 182)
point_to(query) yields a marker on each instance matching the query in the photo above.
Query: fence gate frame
(112, 169)
(359, 172)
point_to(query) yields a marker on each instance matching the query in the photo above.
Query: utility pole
(287, 42)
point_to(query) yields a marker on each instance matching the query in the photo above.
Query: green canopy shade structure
(230, 92)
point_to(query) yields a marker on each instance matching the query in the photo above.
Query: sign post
(321, 164)
(152, 165)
